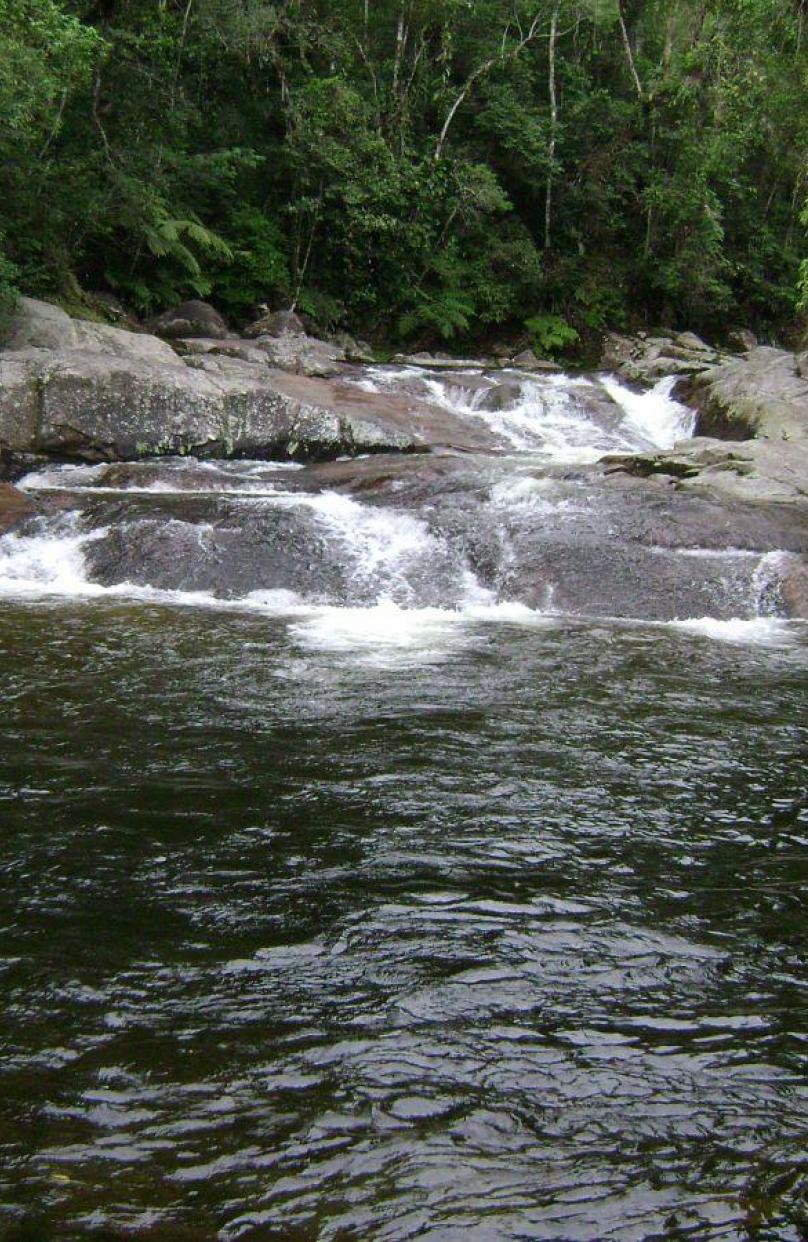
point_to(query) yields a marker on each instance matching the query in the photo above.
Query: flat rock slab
(76, 389)
(433, 362)
(377, 417)
(757, 471)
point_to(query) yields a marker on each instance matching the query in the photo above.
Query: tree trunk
(629, 54)
(551, 146)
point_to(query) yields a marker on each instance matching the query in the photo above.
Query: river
(349, 894)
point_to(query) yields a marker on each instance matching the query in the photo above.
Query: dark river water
(498, 935)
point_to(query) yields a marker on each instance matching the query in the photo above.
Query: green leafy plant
(551, 333)
(257, 267)
(445, 314)
(325, 311)
(8, 290)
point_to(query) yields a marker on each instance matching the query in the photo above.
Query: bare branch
(502, 57)
(630, 54)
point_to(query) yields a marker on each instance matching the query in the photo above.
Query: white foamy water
(386, 635)
(51, 564)
(757, 631)
(180, 476)
(560, 416)
(547, 415)
(382, 544)
(538, 495)
(389, 552)
(654, 415)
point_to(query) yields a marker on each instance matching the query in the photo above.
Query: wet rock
(14, 507)
(793, 584)
(183, 548)
(392, 419)
(13, 466)
(528, 361)
(440, 362)
(648, 358)
(193, 318)
(501, 396)
(276, 323)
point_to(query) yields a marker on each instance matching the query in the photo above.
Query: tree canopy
(421, 169)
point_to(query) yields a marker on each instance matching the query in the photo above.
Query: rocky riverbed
(588, 494)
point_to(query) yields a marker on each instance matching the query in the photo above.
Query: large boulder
(193, 318)
(39, 325)
(19, 400)
(762, 394)
(102, 408)
(14, 507)
(302, 355)
(277, 323)
(646, 359)
(100, 393)
(101, 338)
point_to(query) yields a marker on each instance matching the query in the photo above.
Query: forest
(412, 170)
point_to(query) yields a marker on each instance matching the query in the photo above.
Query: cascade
(521, 536)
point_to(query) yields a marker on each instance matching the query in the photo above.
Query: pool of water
(472, 929)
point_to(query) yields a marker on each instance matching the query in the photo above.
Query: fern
(164, 234)
(550, 333)
(445, 313)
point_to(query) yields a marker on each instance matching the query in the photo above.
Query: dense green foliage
(420, 168)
